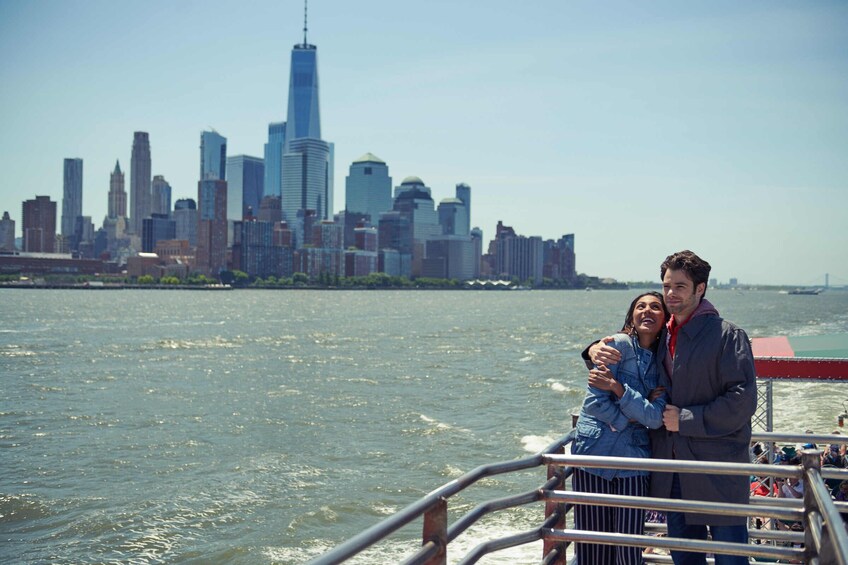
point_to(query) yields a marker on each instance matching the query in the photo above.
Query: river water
(141, 426)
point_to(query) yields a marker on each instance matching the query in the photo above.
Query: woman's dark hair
(628, 328)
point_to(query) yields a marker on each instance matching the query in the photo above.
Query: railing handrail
(552, 457)
(418, 508)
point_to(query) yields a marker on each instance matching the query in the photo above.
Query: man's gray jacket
(711, 379)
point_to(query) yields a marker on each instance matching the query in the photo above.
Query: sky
(643, 128)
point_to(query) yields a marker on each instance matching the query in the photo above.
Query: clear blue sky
(641, 127)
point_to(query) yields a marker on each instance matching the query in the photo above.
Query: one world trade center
(307, 159)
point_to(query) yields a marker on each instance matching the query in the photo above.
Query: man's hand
(671, 418)
(603, 354)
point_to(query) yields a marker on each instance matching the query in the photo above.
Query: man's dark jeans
(677, 528)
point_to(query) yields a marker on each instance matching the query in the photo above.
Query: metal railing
(823, 540)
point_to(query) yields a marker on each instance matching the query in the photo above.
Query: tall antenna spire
(304, 21)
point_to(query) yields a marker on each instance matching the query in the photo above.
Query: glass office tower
(72, 196)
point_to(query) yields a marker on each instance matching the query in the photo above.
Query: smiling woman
(622, 402)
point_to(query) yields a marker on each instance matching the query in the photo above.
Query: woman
(622, 402)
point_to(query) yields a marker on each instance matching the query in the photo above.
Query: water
(268, 426)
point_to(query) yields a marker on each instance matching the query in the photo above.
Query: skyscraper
(245, 177)
(213, 155)
(463, 192)
(304, 116)
(117, 194)
(72, 196)
(158, 227)
(39, 225)
(368, 187)
(306, 168)
(413, 201)
(273, 181)
(307, 159)
(185, 217)
(160, 196)
(7, 233)
(453, 217)
(212, 226)
(140, 168)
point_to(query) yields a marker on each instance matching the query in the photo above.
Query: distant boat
(806, 291)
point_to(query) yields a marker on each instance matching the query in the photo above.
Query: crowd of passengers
(834, 456)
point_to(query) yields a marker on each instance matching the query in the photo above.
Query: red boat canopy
(819, 357)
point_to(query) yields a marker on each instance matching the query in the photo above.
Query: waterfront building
(101, 244)
(185, 220)
(39, 225)
(324, 253)
(394, 263)
(270, 209)
(213, 155)
(394, 237)
(7, 233)
(559, 259)
(158, 227)
(255, 251)
(368, 186)
(306, 185)
(140, 171)
(350, 221)
(211, 255)
(360, 263)
(71, 197)
(453, 218)
(449, 257)
(174, 250)
(245, 178)
(362, 259)
(160, 195)
(274, 149)
(117, 207)
(283, 235)
(82, 242)
(143, 264)
(44, 263)
(140, 178)
(413, 200)
(517, 256)
(463, 192)
(477, 239)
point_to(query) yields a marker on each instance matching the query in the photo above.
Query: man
(712, 396)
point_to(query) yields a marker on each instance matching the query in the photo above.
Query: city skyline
(726, 122)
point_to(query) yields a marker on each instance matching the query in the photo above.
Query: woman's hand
(602, 378)
(656, 393)
(603, 354)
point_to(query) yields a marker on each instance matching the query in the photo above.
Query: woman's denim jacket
(605, 427)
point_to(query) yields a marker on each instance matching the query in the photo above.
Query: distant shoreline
(222, 287)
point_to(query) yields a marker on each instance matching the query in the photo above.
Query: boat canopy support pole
(436, 531)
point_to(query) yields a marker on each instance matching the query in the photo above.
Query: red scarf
(673, 328)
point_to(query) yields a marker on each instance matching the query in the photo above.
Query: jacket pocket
(588, 434)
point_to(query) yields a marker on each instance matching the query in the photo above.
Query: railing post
(436, 531)
(810, 459)
(550, 508)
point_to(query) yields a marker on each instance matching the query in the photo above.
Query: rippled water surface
(268, 426)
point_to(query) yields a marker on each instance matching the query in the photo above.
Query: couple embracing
(676, 383)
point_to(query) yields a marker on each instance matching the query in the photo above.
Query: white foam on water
(557, 386)
(442, 426)
(535, 444)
